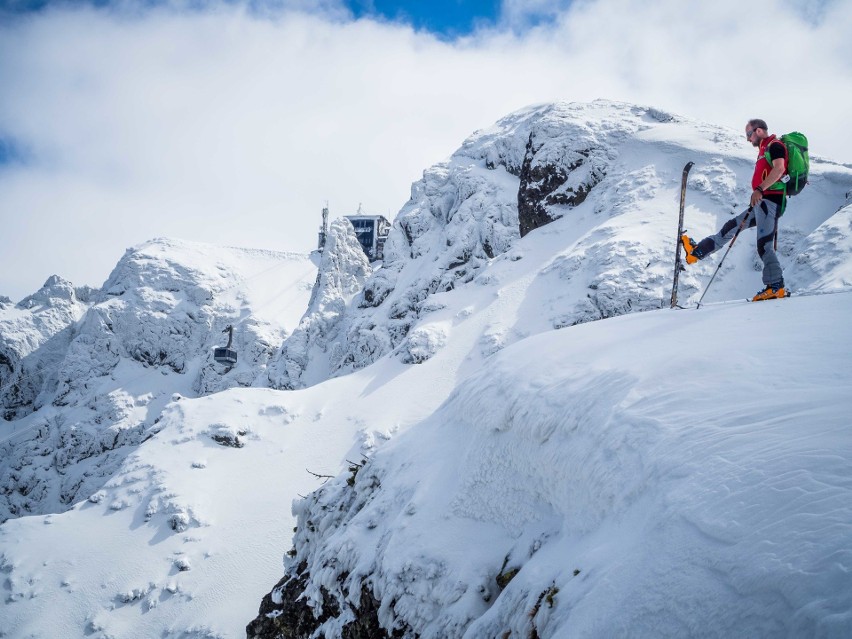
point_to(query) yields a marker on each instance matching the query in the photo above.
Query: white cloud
(234, 126)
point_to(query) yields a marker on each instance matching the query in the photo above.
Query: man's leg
(767, 225)
(713, 243)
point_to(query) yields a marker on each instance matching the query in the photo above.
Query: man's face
(752, 135)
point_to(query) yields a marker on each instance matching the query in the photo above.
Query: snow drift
(662, 475)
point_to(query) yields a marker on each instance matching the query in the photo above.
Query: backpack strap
(779, 185)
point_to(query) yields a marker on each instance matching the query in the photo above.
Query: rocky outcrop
(284, 614)
(457, 220)
(302, 604)
(527, 170)
(546, 184)
(318, 340)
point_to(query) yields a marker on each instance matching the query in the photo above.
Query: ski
(678, 267)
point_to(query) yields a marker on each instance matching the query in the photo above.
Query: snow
(681, 461)
(512, 446)
(91, 379)
(312, 350)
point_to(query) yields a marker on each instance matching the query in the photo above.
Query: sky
(234, 122)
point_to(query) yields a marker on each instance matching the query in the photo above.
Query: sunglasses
(749, 133)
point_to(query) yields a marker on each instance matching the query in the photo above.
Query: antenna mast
(324, 228)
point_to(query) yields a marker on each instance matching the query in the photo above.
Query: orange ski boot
(771, 292)
(689, 247)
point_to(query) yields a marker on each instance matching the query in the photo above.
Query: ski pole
(734, 239)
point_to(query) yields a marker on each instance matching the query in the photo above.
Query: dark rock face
(304, 604)
(292, 618)
(545, 183)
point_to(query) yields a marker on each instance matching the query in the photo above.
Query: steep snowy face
(40, 322)
(104, 378)
(612, 479)
(316, 343)
(538, 163)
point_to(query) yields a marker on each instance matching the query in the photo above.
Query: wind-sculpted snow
(317, 343)
(608, 480)
(825, 261)
(98, 375)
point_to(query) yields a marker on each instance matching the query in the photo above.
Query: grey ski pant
(765, 217)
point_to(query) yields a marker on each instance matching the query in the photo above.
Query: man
(766, 205)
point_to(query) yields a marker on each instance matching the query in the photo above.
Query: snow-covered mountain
(39, 322)
(657, 475)
(92, 370)
(499, 463)
(611, 169)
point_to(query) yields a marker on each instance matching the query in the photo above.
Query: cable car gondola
(225, 354)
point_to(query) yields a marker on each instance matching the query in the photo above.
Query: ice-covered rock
(316, 346)
(98, 374)
(34, 335)
(55, 291)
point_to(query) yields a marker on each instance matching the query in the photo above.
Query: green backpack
(798, 163)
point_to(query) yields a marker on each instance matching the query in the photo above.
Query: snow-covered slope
(103, 372)
(671, 458)
(670, 474)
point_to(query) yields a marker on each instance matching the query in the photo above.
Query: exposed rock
(293, 618)
(547, 184)
(301, 604)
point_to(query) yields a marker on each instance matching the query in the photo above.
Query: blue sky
(446, 17)
(6, 151)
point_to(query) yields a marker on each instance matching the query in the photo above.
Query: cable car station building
(371, 231)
